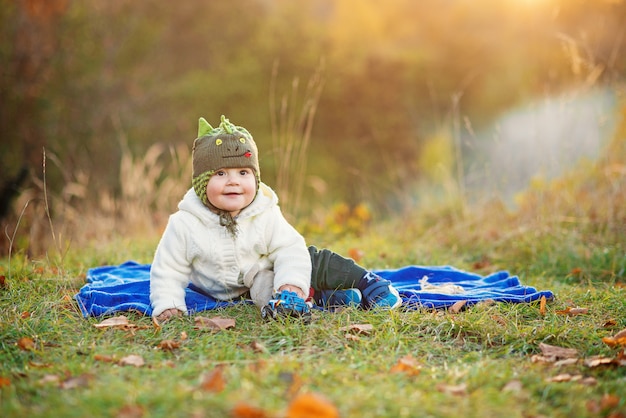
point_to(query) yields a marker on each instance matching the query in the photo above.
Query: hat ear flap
(203, 127)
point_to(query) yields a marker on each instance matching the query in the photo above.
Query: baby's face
(231, 189)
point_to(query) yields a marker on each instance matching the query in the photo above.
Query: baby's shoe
(287, 304)
(340, 297)
(378, 292)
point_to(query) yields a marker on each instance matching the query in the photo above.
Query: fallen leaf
(258, 347)
(104, 358)
(77, 382)
(213, 381)
(3, 282)
(557, 352)
(596, 361)
(456, 390)
(609, 401)
(116, 321)
(500, 320)
(542, 305)
(620, 334)
(26, 344)
(183, 336)
(25, 315)
(457, 306)
(615, 340)
(38, 365)
(132, 360)
(407, 365)
(589, 381)
(352, 337)
(311, 405)
(216, 323)
(168, 345)
(4, 381)
(566, 362)
(564, 377)
(610, 323)
(358, 328)
(355, 254)
(242, 410)
(514, 386)
(130, 411)
(573, 311)
(156, 324)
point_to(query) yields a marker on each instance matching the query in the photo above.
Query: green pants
(332, 271)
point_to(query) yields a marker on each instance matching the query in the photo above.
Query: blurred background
(355, 105)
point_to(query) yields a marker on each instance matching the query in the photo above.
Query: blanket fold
(125, 287)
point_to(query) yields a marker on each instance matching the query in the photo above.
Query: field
(491, 359)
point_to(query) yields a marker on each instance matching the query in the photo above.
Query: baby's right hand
(167, 314)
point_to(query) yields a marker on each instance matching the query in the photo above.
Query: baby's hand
(167, 314)
(291, 288)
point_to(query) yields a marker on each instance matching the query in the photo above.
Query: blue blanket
(125, 287)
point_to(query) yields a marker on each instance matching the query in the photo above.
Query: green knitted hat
(227, 146)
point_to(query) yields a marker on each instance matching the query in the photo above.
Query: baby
(229, 237)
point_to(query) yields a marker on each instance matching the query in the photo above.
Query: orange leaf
(216, 323)
(25, 315)
(3, 281)
(4, 381)
(242, 410)
(104, 358)
(213, 381)
(355, 254)
(407, 365)
(26, 344)
(609, 401)
(311, 405)
(542, 306)
(168, 345)
(617, 339)
(573, 311)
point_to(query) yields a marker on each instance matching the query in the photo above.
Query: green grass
(566, 237)
(484, 347)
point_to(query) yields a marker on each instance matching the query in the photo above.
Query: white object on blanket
(443, 288)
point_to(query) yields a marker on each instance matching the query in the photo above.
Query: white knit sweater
(196, 248)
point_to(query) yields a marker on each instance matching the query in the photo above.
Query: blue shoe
(287, 304)
(341, 297)
(378, 293)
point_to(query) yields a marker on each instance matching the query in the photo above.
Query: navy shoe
(341, 297)
(378, 292)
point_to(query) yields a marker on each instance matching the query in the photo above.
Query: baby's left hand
(292, 288)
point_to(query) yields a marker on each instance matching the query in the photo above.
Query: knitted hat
(227, 146)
